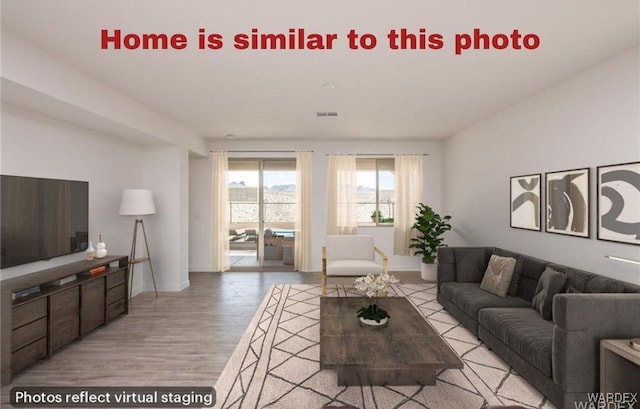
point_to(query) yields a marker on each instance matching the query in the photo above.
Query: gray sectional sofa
(560, 357)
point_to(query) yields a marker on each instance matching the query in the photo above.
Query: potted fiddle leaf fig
(430, 227)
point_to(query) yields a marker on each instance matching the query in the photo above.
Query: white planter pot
(372, 323)
(429, 272)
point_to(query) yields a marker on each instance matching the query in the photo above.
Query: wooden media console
(36, 325)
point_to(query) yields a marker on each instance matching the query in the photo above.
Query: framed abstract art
(567, 202)
(525, 201)
(619, 203)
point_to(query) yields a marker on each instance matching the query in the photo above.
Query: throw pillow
(599, 284)
(498, 276)
(551, 283)
(572, 290)
(515, 280)
(470, 265)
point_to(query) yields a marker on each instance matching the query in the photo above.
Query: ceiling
(377, 93)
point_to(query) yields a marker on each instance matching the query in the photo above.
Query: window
(376, 186)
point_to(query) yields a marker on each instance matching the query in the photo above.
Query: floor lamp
(138, 202)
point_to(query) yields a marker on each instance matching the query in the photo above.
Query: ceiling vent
(325, 114)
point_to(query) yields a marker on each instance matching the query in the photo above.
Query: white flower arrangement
(372, 284)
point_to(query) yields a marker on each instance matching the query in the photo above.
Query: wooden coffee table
(408, 351)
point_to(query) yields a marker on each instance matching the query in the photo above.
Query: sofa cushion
(497, 278)
(470, 265)
(586, 282)
(576, 278)
(631, 288)
(532, 269)
(352, 267)
(522, 330)
(470, 298)
(551, 282)
(600, 284)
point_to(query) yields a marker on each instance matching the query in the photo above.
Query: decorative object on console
(525, 202)
(62, 281)
(23, 293)
(567, 199)
(90, 253)
(619, 203)
(138, 202)
(95, 271)
(101, 248)
(373, 315)
(635, 343)
(430, 226)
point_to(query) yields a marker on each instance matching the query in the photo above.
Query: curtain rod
(260, 151)
(378, 154)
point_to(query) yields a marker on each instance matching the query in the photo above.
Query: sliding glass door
(244, 213)
(262, 206)
(279, 212)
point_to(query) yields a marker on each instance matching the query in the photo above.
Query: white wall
(200, 179)
(200, 215)
(589, 120)
(33, 145)
(166, 174)
(25, 66)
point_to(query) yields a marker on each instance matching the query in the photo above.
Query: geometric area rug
(276, 364)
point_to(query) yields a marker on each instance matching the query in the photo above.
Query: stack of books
(25, 292)
(62, 281)
(95, 271)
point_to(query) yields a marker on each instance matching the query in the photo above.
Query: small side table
(619, 367)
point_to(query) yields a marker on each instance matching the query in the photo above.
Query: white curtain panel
(408, 194)
(220, 209)
(302, 243)
(342, 184)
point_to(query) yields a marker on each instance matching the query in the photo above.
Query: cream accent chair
(348, 256)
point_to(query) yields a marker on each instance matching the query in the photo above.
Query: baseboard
(197, 269)
(136, 291)
(409, 268)
(169, 288)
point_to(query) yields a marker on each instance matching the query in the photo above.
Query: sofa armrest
(601, 312)
(446, 265)
(582, 320)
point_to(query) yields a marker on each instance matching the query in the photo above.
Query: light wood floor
(178, 339)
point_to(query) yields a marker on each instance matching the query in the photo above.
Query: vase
(101, 248)
(91, 252)
(373, 324)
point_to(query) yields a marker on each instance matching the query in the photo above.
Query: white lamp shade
(137, 202)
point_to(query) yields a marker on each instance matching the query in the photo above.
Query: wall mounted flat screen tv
(41, 218)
